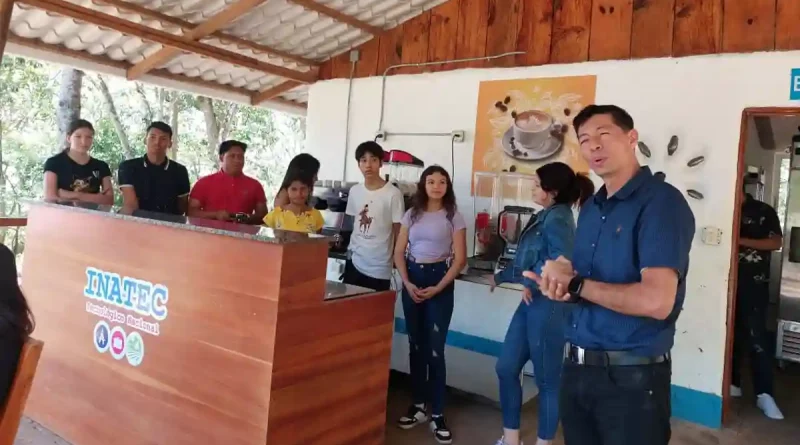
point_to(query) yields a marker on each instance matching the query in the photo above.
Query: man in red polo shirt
(229, 192)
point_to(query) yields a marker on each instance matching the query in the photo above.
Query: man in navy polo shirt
(154, 182)
(627, 280)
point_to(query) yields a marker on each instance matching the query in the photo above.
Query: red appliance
(402, 157)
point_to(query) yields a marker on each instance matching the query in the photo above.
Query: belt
(580, 356)
(412, 259)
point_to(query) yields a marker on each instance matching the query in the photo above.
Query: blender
(511, 222)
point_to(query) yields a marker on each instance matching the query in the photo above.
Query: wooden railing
(13, 221)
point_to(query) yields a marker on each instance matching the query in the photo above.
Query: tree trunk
(162, 99)
(69, 102)
(206, 105)
(112, 110)
(173, 122)
(227, 121)
(148, 117)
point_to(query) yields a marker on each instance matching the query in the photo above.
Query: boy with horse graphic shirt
(378, 208)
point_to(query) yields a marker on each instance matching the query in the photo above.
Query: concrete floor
(478, 422)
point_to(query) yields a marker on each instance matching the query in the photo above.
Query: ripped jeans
(427, 324)
(536, 333)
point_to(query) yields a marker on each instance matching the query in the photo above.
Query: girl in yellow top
(296, 216)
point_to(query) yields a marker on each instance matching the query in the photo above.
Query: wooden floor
(478, 423)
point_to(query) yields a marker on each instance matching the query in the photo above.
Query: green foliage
(28, 130)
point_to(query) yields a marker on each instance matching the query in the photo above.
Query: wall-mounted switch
(711, 236)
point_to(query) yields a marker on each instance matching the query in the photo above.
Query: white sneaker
(736, 391)
(502, 441)
(767, 404)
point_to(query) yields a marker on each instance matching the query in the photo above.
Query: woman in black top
(73, 175)
(16, 321)
(303, 166)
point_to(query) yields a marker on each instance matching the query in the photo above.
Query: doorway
(764, 167)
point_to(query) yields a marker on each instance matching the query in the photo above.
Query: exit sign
(794, 91)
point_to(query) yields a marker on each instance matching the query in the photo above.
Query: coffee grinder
(511, 222)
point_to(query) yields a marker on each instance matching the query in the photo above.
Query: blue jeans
(427, 324)
(536, 333)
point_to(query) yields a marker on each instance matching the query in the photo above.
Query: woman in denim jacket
(536, 331)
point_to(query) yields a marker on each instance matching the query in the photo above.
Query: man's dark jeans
(616, 405)
(354, 276)
(750, 334)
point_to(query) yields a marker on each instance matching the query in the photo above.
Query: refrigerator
(788, 332)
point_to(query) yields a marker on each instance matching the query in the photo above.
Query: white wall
(700, 99)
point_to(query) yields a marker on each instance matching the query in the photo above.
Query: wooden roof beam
(273, 92)
(155, 15)
(134, 29)
(211, 25)
(6, 8)
(122, 65)
(311, 5)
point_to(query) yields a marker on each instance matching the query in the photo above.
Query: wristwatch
(574, 289)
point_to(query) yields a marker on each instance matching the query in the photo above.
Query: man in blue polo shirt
(627, 280)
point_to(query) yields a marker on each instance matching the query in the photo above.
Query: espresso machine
(331, 200)
(511, 221)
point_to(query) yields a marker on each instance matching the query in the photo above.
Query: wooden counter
(219, 334)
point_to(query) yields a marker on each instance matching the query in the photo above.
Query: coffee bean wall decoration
(644, 149)
(694, 162)
(694, 194)
(672, 148)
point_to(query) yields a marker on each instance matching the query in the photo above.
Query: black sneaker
(440, 430)
(413, 417)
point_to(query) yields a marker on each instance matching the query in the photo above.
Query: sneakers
(736, 391)
(502, 441)
(416, 415)
(767, 404)
(413, 417)
(440, 430)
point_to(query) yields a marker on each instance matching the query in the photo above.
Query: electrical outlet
(355, 55)
(381, 135)
(457, 135)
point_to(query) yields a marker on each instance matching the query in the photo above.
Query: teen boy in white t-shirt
(377, 207)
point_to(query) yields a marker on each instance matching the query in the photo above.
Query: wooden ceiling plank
(416, 33)
(535, 32)
(698, 27)
(748, 25)
(441, 36)
(6, 8)
(254, 46)
(787, 33)
(572, 20)
(473, 27)
(80, 13)
(651, 34)
(122, 65)
(211, 25)
(311, 5)
(273, 92)
(503, 31)
(611, 25)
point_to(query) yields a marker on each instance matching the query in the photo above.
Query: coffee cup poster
(523, 124)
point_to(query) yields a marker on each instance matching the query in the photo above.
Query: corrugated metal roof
(282, 33)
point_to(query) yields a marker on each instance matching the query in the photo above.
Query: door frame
(734, 268)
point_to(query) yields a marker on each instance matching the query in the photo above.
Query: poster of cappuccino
(523, 124)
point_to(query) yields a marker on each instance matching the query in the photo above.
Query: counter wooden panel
(249, 353)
